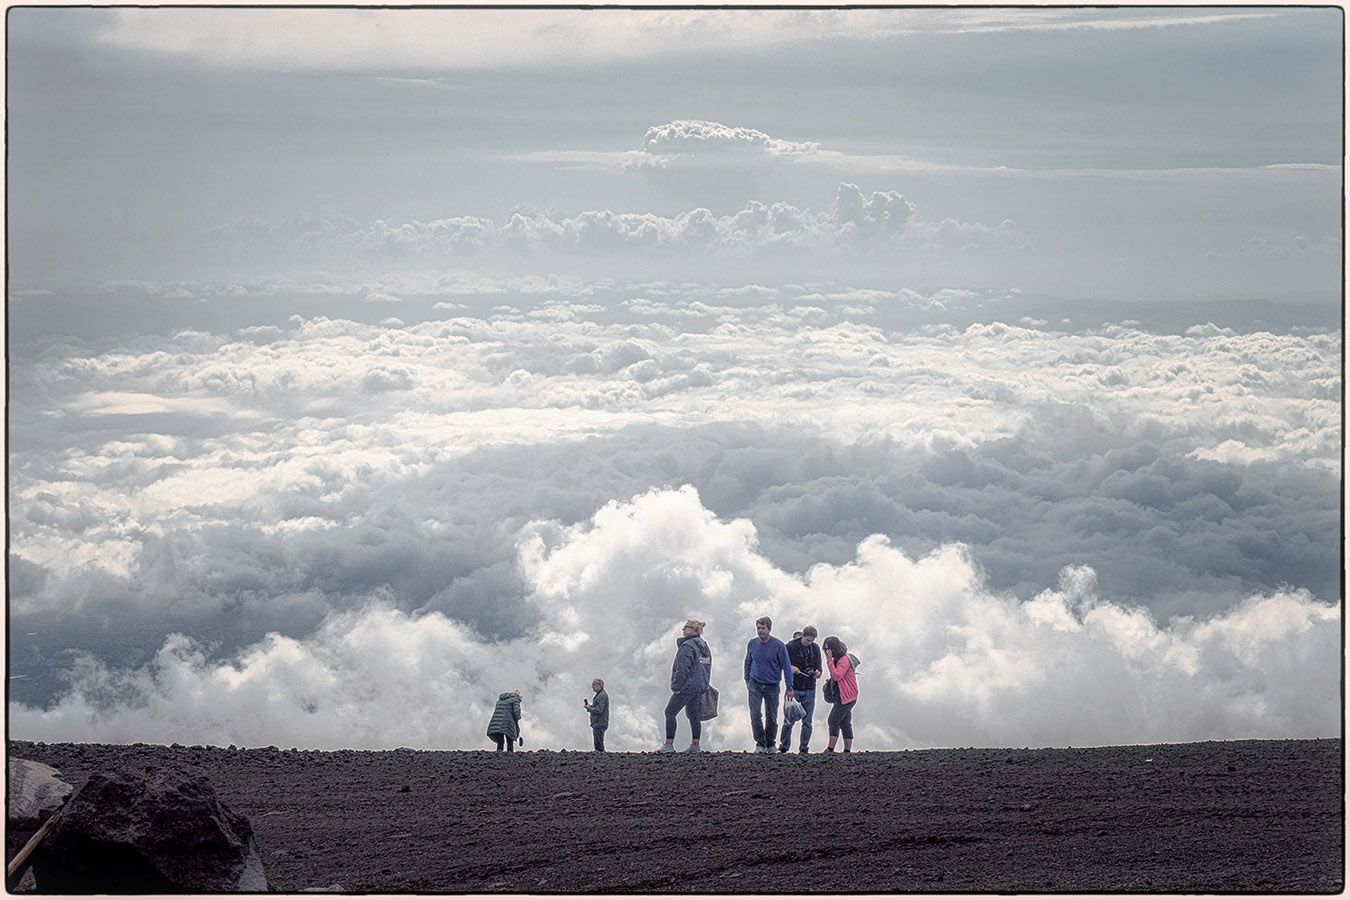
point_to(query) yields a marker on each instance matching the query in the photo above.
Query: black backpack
(830, 691)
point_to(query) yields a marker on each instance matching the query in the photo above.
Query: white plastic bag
(793, 710)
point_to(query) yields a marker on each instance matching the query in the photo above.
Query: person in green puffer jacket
(504, 727)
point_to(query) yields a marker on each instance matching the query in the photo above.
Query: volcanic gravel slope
(1262, 816)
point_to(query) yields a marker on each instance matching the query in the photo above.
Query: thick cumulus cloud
(946, 661)
(276, 427)
(228, 485)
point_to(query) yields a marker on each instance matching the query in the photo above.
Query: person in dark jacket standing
(505, 723)
(766, 660)
(690, 676)
(806, 662)
(598, 707)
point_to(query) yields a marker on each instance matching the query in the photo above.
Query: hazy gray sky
(1102, 153)
(366, 363)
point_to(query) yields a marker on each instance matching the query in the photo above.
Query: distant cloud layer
(686, 142)
(859, 221)
(946, 662)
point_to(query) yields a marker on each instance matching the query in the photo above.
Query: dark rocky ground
(1258, 816)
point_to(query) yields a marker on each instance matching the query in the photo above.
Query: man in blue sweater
(766, 660)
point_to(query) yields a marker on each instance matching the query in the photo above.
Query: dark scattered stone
(128, 832)
(325, 824)
(405, 789)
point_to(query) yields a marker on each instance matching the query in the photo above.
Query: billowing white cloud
(227, 485)
(178, 460)
(701, 136)
(946, 661)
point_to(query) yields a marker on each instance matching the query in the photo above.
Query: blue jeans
(808, 701)
(598, 736)
(767, 696)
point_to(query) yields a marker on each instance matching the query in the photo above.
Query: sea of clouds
(330, 481)
(332, 533)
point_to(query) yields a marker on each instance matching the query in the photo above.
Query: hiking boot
(828, 750)
(782, 748)
(803, 750)
(693, 748)
(771, 749)
(665, 748)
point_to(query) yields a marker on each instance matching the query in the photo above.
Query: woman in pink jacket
(841, 670)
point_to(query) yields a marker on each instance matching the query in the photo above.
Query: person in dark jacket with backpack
(504, 727)
(690, 676)
(598, 707)
(806, 662)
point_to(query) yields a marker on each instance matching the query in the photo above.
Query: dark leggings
(510, 742)
(688, 703)
(841, 719)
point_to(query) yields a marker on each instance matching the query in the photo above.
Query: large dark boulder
(35, 792)
(149, 831)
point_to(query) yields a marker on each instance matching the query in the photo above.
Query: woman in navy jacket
(690, 675)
